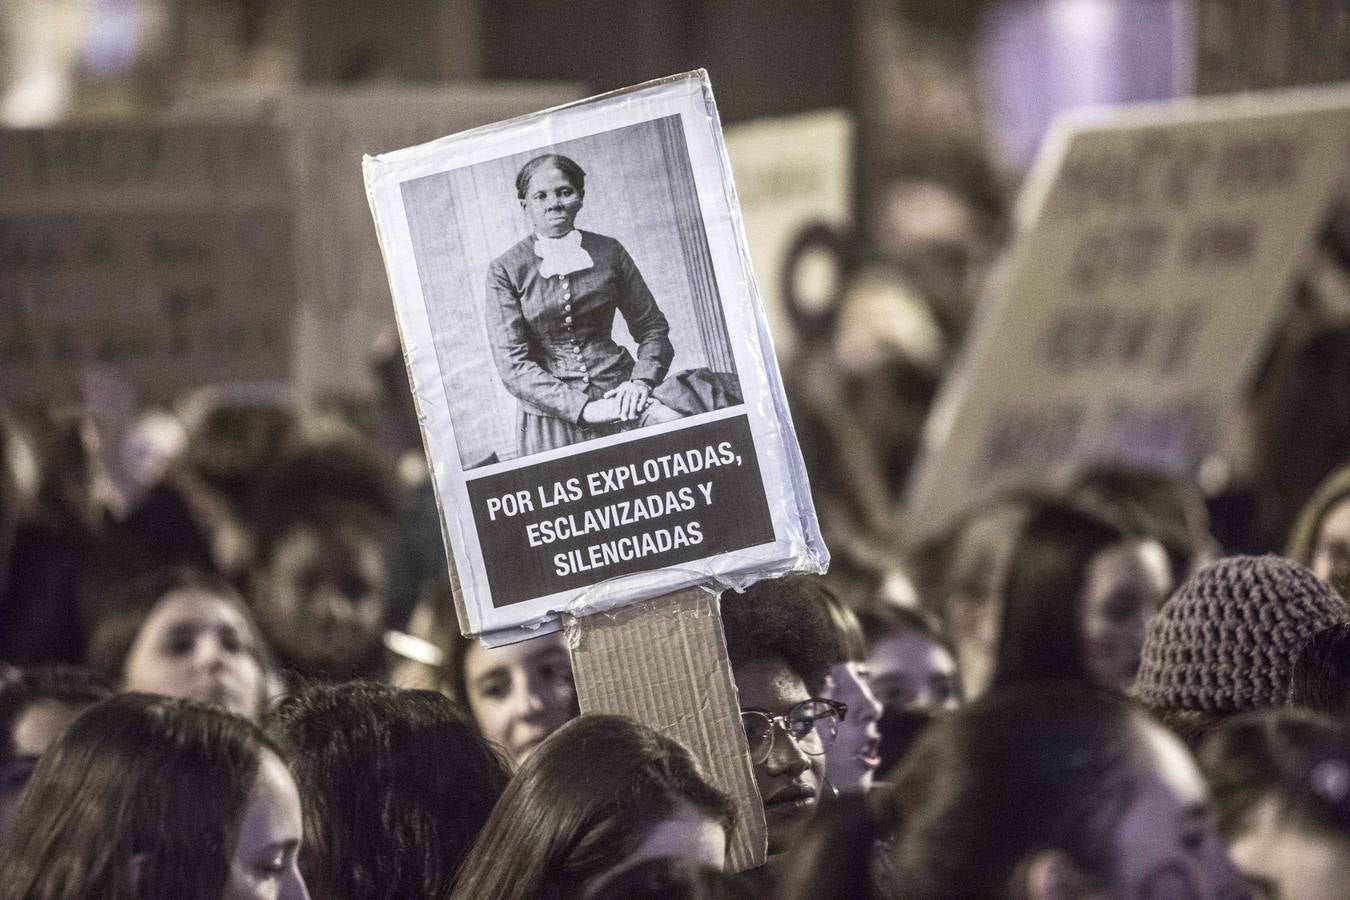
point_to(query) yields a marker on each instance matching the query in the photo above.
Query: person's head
(181, 632)
(1152, 503)
(1054, 790)
(1321, 536)
(1281, 786)
(35, 709)
(780, 643)
(518, 694)
(148, 796)
(913, 676)
(971, 563)
(602, 794)
(1078, 596)
(322, 589)
(1227, 640)
(427, 783)
(551, 189)
(321, 583)
(854, 752)
(1320, 680)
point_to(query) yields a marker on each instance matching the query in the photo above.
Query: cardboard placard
(545, 513)
(664, 663)
(1155, 249)
(158, 253)
(791, 173)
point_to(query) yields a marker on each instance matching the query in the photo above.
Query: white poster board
(1154, 252)
(791, 173)
(160, 254)
(511, 343)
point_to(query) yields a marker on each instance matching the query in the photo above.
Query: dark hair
(1149, 503)
(963, 560)
(573, 172)
(1276, 754)
(783, 619)
(232, 443)
(328, 471)
(669, 878)
(136, 777)
(396, 784)
(837, 858)
(1320, 679)
(128, 602)
(66, 685)
(1334, 488)
(1040, 636)
(581, 804)
(882, 620)
(1021, 770)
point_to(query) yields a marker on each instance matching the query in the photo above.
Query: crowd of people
(230, 666)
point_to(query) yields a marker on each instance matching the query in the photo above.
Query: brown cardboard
(664, 663)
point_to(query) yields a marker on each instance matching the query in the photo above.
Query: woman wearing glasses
(778, 644)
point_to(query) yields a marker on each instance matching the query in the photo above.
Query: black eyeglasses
(812, 725)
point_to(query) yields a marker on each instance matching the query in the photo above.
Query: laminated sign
(597, 390)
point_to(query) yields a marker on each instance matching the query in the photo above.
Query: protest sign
(1255, 46)
(552, 500)
(1154, 251)
(791, 173)
(158, 253)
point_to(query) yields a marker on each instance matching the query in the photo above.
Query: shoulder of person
(518, 258)
(601, 246)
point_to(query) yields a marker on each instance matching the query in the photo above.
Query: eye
(496, 688)
(274, 863)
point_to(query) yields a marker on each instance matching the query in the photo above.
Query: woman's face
(1126, 583)
(1166, 845)
(910, 672)
(1331, 551)
(324, 598)
(856, 751)
(790, 780)
(197, 644)
(1285, 862)
(520, 693)
(263, 865)
(551, 201)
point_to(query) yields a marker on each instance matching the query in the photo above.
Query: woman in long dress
(551, 301)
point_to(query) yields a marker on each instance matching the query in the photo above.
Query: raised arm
(509, 335)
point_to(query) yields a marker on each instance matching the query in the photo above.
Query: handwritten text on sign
(660, 501)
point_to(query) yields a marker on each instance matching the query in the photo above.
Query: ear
(1051, 875)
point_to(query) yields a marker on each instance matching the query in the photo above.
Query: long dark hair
(1019, 771)
(580, 805)
(156, 781)
(395, 784)
(1041, 636)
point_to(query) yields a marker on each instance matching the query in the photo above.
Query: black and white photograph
(579, 275)
(590, 361)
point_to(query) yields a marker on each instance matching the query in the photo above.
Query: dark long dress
(552, 338)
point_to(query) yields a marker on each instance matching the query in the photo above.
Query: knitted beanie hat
(1227, 639)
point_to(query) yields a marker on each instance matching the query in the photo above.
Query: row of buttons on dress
(584, 372)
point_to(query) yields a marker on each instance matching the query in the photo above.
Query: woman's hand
(600, 412)
(632, 398)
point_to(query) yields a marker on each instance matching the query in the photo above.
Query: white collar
(562, 255)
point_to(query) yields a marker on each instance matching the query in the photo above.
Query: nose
(294, 888)
(786, 756)
(208, 653)
(527, 699)
(869, 707)
(328, 604)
